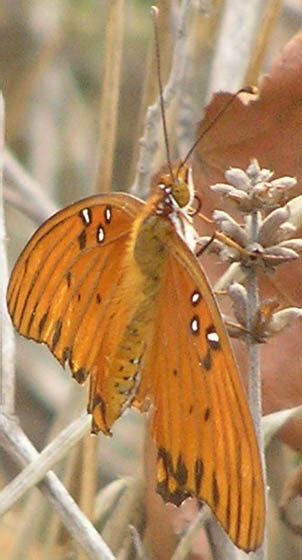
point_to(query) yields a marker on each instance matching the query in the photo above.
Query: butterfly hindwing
(202, 425)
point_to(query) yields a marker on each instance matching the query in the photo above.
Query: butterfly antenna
(154, 13)
(248, 89)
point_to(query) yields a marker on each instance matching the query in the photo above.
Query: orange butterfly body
(113, 287)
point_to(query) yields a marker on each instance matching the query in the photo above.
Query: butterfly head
(177, 190)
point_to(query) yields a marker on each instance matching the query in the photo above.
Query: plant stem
(7, 385)
(254, 377)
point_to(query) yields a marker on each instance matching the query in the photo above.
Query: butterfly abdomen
(144, 266)
(150, 245)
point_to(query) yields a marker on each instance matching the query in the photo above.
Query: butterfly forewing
(67, 273)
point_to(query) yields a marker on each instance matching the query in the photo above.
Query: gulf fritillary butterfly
(112, 286)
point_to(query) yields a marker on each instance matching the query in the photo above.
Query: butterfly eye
(181, 194)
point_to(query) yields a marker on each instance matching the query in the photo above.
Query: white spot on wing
(136, 361)
(85, 213)
(213, 337)
(108, 214)
(195, 325)
(195, 298)
(100, 234)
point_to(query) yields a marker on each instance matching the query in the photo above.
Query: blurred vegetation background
(52, 72)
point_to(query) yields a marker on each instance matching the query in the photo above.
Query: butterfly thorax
(166, 214)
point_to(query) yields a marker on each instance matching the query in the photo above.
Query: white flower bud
(238, 178)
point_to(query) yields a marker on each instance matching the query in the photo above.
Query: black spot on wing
(98, 298)
(98, 403)
(199, 469)
(165, 457)
(66, 354)
(181, 473)
(207, 361)
(228, 509)
(215, 491)
(82, 238)
(56, 334)
(42, 323)
(68, 278)
(207, 414)
(81, 375)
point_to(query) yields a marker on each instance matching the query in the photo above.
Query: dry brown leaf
(266, 127)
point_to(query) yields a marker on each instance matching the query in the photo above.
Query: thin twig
(15, 173)
(152, 123)
(149, 81)
(50, 455)
(54, 527)
(23, 205)
(187, 541)
(110, 95)
(7, 390)
(21, 449)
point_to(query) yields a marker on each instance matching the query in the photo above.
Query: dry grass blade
(28, 82)
(110, 94)
(269, 22)
(88, 479)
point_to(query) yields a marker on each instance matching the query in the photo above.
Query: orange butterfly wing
(65, 279)
(202, 425)
(78, 288)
